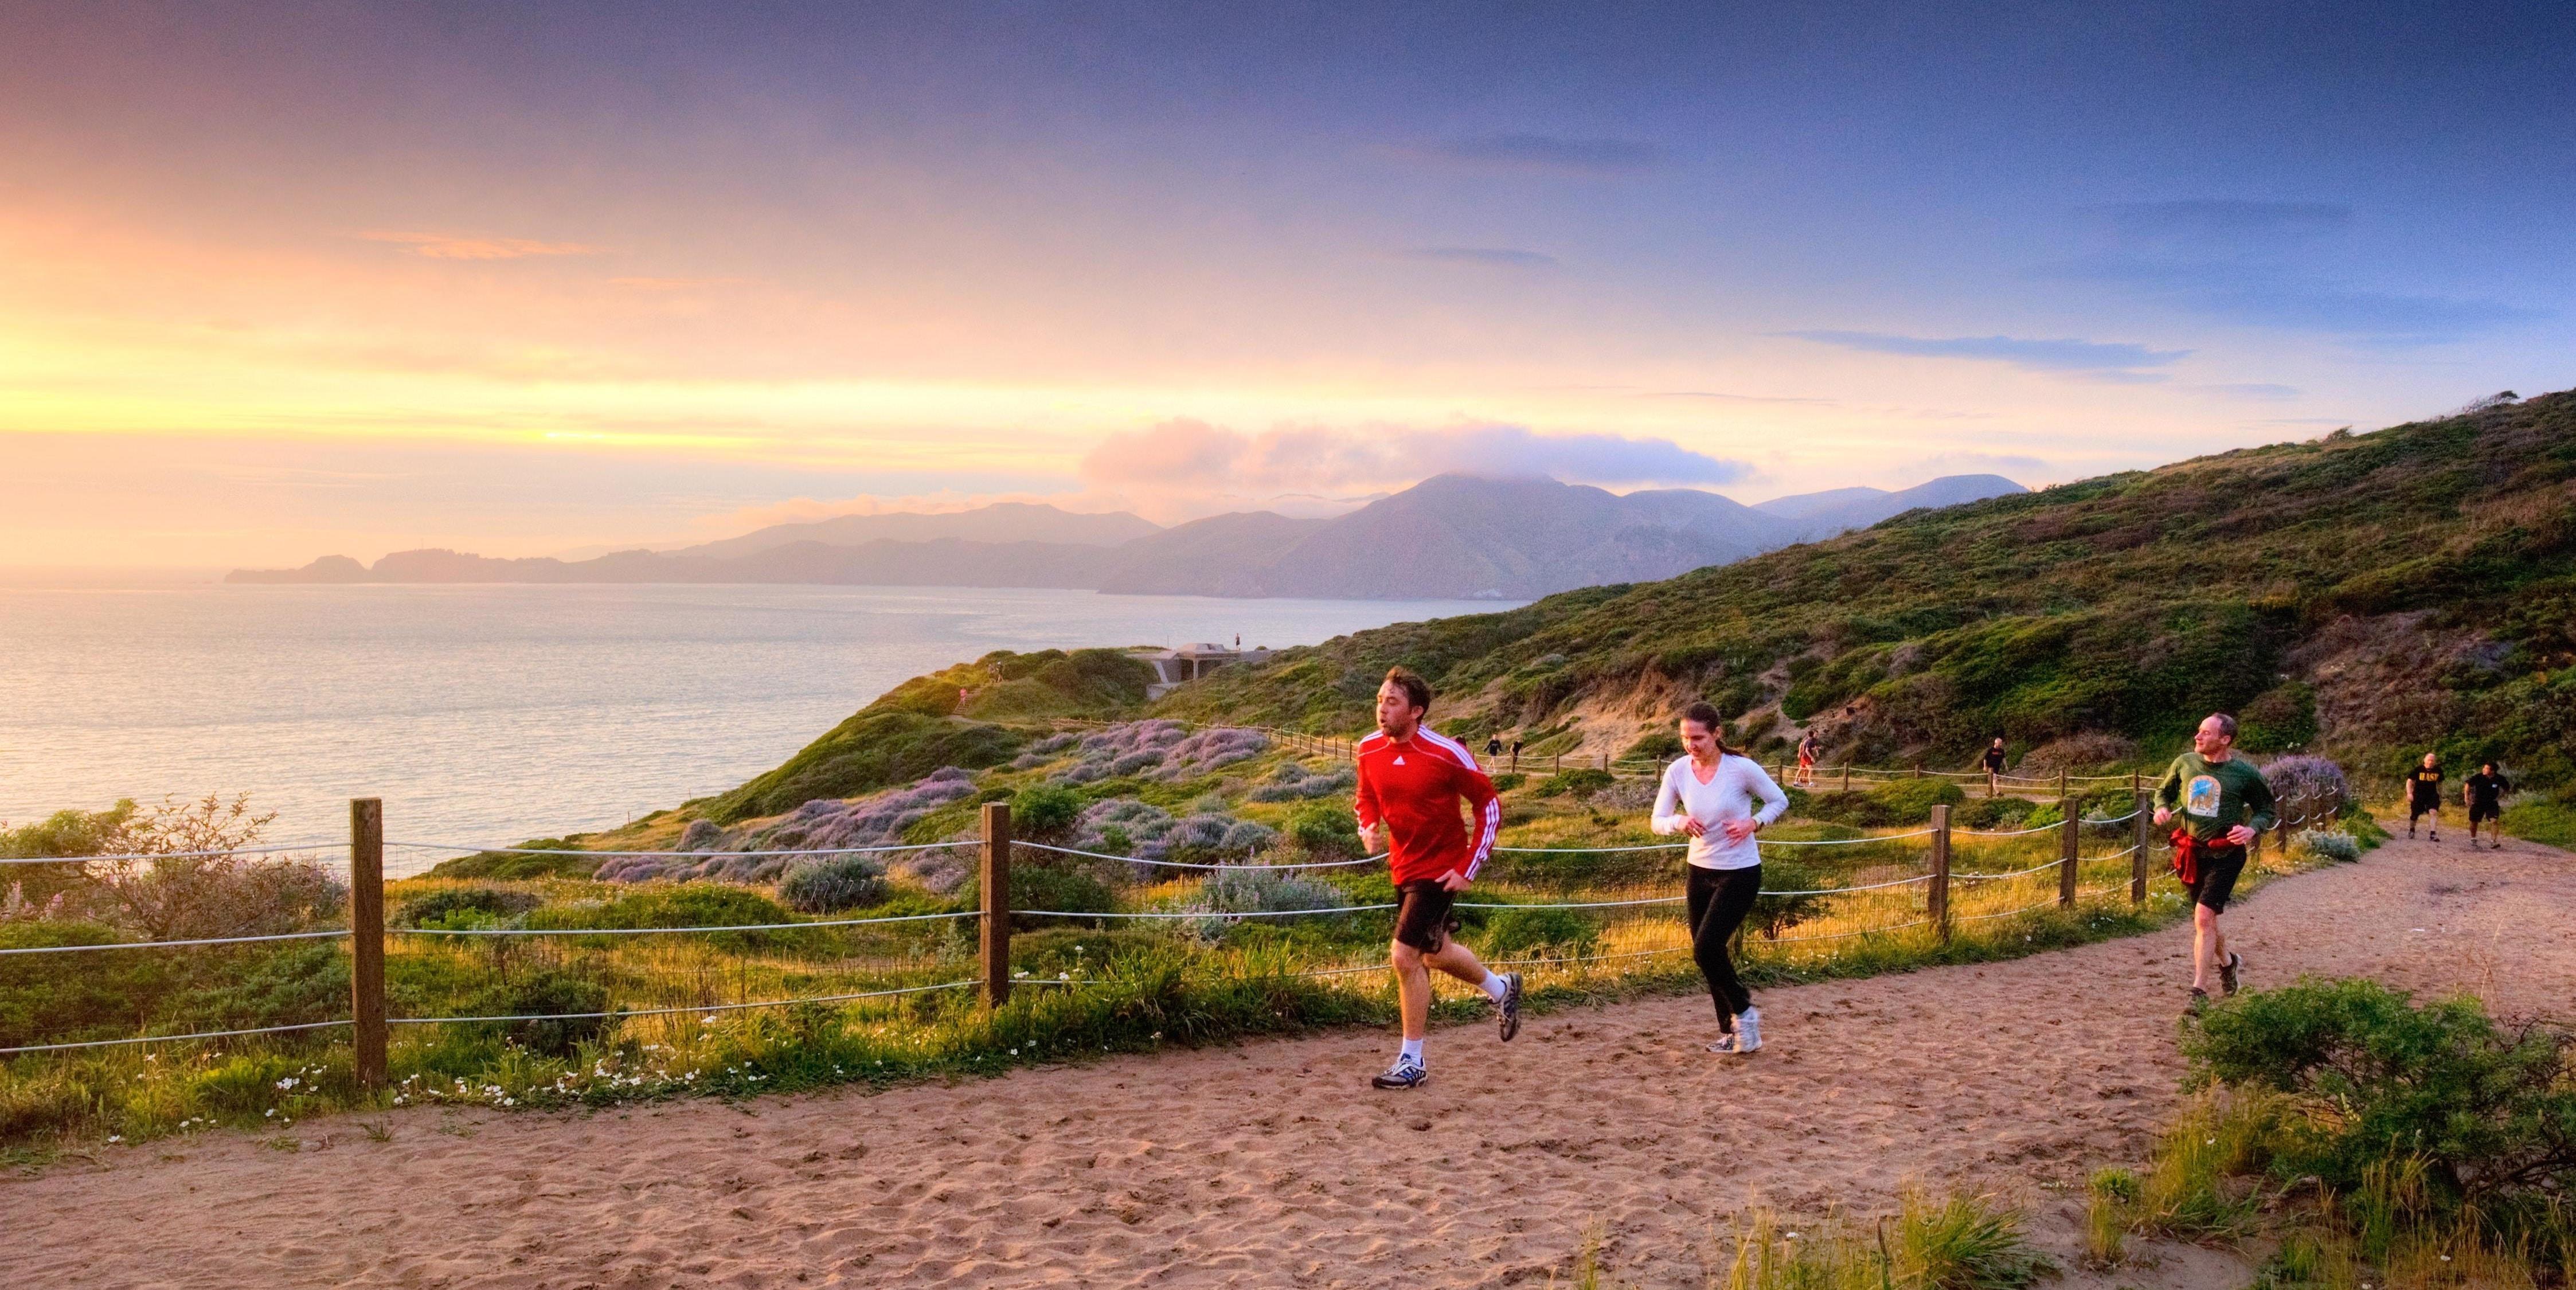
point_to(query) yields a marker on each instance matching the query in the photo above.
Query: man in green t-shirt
(2223, 802)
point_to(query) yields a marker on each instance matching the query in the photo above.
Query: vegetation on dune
(2366, 1140)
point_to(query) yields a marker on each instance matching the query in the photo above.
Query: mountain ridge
(1448, 537)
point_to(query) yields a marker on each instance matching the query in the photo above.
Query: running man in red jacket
(1410, 781)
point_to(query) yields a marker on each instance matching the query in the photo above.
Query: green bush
(1325, 830)
(571, 862)
(547, 994)
(1773, 915)
(1509, 780)
(2488, 1111)
(1993, 813)
(1044, 811)
(1045, 886)
(690, 904)
(1658, 745)
(1857, 809)
(1537, 933)
(2332, 844)
(1578, 783)
(1912, 800)
(820, 884)
(439, 908)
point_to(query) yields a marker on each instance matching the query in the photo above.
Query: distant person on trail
(1808, 749)
(2424, 796)
(2484, 793)
(1516, 753)
(1493, 745)
(1994, 764)
(2224, 803)
(1411, 778)
(1712, 795)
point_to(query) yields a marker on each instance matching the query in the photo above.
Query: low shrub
(1993, 813)
(534, 858)
(689, 904)
(2331, 844)
(1509, 780)
(2378, 1085)
(1266, 891)
(1773, 915)
(1576, 783)
(1045, 811)
(820, 884)
(439, 908)
(1049, 887)
(1912, 800)
(1539, 933)
(1325, 830)
(546, 996)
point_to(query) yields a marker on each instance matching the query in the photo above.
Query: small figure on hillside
(2484, 793)
(2224, 803)
(1411, 778)
(1994, 763)
(2424, 796)
(1516, 752)
(1720, 799)
(1808, 750)
(1493, 745)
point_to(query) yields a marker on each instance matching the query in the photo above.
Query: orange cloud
(442, 246)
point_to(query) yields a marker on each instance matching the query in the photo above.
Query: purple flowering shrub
(878, 819)
(2309, 777)
(1164, 749)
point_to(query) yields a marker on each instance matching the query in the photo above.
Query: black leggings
(1719, 900)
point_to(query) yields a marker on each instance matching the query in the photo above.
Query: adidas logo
(1399, 759)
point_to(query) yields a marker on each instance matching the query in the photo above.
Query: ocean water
(485, 715)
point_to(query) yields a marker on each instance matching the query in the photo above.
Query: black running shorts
(2419, 808)
(2219, 869)
(1422, 915)
(2483, 811)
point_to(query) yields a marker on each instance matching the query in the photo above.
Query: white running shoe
(1725, 1045)
(1748, 1031)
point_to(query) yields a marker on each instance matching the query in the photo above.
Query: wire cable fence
(559, 965)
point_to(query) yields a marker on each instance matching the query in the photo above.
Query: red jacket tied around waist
(1413, 787)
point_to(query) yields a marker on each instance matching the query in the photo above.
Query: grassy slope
(2128, 604)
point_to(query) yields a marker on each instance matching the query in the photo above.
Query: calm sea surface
(488, 714)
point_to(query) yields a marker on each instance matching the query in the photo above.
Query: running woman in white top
(1711, 795)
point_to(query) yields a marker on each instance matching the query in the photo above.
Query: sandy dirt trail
(1272, 1164)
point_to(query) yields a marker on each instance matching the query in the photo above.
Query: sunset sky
(284, 280)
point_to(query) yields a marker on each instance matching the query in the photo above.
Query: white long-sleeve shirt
(1729, 794)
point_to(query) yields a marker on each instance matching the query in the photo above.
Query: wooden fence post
(1937, 896)
(997, 903)
(1846, 777)
(2145, 823)
(2067, 845)
(367, 937)
(1557, 767)
(2061, 783)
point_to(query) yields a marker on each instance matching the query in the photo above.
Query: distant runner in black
(1493, 745)
(2424, 796)
(2484, 793)
(1995, 766)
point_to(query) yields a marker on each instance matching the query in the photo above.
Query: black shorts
(2220, 867)
(2484, 811)
(1423, 918)
(2419, 808)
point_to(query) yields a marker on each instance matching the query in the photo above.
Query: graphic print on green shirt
(2214, 797)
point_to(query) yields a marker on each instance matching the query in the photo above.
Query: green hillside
(2370, 595)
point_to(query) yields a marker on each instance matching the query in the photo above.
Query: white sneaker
(1748, 1031)
(1724, 1046)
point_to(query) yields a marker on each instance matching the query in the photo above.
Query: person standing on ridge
(1994, 764)
(2424, 796)
(1411, 778)
(1710, 795)
(1516, 752)
(1808, 751)
(1493, 745)
(2483, 793)
(2224, 803)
